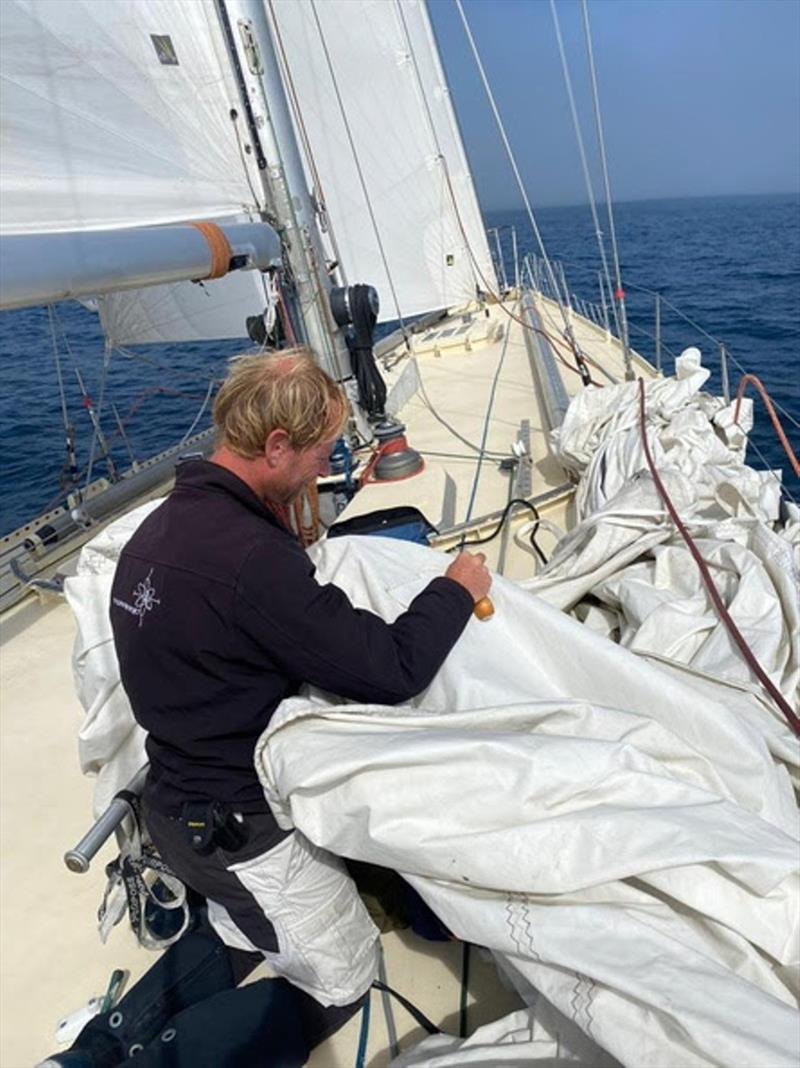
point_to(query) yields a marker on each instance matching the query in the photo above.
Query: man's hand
(469, 570)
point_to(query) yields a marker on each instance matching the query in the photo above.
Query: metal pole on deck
(564, 286)
(658, 332)
(500, 265)
(603, 301)
(516, 259)
(726, 389)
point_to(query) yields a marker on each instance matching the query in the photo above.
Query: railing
(645, 307)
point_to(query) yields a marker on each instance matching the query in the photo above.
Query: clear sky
(699, 97)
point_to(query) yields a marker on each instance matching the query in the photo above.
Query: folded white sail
(572, 807)
(400, 192)
(116, 113)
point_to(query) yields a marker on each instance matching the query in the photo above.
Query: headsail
(386, 145)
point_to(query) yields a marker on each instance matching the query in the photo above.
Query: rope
(218, 246)
(584, 164)
(713, 593)
(489, 405)
(620, 292)
(787, 448)
(357, 162)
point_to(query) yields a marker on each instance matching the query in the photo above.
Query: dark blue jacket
(217, 617)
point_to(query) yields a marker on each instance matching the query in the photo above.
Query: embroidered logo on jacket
(144, 598)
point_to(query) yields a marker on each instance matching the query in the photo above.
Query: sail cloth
(621, 837)
(625, 568)
(185, 311)
(624, 844)
(116, 113)
(382, 85)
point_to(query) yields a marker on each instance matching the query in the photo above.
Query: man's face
(304, 466)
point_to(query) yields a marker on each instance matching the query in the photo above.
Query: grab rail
(79, 858)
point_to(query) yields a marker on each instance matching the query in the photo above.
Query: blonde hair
(283, 390)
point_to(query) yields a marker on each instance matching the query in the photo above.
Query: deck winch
(395, 458)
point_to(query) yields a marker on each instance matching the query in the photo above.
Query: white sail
(401, 193)
(186, 311)
(116, 113)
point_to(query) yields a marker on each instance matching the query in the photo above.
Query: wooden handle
(484, 609)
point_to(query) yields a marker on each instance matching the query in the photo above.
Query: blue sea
(730, 264)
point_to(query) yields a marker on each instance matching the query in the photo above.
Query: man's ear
(277, 447)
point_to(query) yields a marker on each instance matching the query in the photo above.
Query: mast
(248, 35)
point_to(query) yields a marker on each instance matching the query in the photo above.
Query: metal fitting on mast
(249, 35)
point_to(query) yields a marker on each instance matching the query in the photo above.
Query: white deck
(52, 960)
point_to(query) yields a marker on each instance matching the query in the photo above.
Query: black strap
(412, 1010)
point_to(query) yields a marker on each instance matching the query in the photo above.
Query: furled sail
(385, 143)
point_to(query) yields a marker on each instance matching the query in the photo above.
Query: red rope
(722, 611)
(772, 414)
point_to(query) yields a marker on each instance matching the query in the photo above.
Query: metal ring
(135, 1048)
(115, 1019)
(169, 1034)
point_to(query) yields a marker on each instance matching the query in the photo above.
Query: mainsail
(118, 116)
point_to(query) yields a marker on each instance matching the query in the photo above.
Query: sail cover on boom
(385, 143)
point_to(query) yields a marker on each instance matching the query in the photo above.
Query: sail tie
(219, 247)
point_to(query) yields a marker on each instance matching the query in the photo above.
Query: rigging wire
(357, 162)
(513, 162)
(584, 163)
(200, 412)
(695, 326)
(97, 434)
(440, 419)
(620, 292)
(580, 357)
(70, 476)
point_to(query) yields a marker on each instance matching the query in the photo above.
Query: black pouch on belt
(210, 825)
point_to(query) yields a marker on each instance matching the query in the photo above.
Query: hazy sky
(699, 97)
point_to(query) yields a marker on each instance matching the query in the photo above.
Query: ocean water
(731, 265)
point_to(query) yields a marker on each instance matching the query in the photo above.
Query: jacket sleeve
(313, 633)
